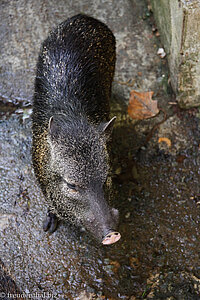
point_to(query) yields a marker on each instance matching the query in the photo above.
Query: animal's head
(79, 167)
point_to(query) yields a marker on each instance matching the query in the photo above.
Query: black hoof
(50, 223)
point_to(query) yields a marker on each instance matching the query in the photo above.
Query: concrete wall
(178, 22)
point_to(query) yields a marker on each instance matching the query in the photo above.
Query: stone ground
(157, 186)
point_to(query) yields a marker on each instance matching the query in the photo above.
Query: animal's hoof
(50, 223)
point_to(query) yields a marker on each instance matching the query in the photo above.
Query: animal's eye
(71, 186)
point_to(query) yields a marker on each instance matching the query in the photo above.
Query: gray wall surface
(179, 26)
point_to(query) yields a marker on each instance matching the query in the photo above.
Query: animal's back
(74, 75)
(75, 70)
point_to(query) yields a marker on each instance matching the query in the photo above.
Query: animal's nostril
(116, 233)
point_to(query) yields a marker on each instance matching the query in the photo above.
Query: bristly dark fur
(76, 75)
(72, 90)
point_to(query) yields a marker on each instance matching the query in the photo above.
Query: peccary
(71, 125)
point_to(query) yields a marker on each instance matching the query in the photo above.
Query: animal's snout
(111, 238)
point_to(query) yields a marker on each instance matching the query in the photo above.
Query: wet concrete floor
(156, 186)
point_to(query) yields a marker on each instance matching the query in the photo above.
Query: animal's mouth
(111, 238)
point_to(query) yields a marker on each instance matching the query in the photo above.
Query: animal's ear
(106, 128)
(52, 127)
